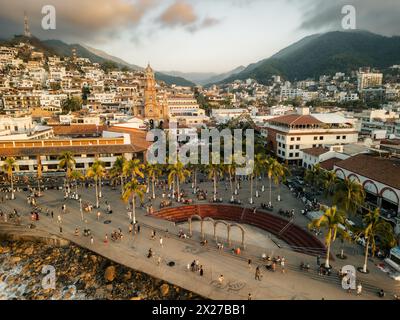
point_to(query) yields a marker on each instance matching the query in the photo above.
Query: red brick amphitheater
(298, 239)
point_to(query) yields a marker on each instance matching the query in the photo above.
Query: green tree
(214, 171)
(76, 176)
(131, 190)
(330, 220)
(71, 105)
(273, 170)
(313, 176)
(117, 170)
(96, 172)
(9, 165)
(349, 195)
(153, 172)
(180, 173)
(67, 162)
(134, 168)
(375, 228)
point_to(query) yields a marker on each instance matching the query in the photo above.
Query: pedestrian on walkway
(283, 265)
(249, 263)
(106, 238)
(159, 260)
(98, 215)
(59, 219)
(60, 229)
(52, 214)
(249, 297)
(201, 271)
(153, 234)
(76, 232)
(258, 274)
(221, 279)
(91, 240)
(359, 289)
(161, 242)
(138, 228)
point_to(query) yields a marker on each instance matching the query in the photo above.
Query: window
(280, 144)
(283, 153)
(337, 137)
(290, 155)
(298, 138)
(315, 138)
(283, 145)
(23, 168)
(344, 137)
(321, 138)
(297, 147)
(80, 166)
(292, 139)
(291, 147)
(296, 154)
(314, 145)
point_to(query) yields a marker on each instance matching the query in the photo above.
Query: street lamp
(80, 207)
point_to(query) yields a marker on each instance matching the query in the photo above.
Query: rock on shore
(80, 275)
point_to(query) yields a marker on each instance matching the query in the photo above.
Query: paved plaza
(239, 278)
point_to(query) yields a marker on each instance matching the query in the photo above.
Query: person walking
(98, 215)
(161, 242)
(106, 238)
(91, 240)
(359, 289)
(52, 214)
(258, 274)
(138, 228)
(249, 263)
(249, 297)
(201, 271)
(283, 265)
(221, 279)
(159, 260)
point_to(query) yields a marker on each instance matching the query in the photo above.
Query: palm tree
(282, 173)
(329, 181)
(39, 173)
(133, 168)
(272, 168)
(132, 189)
(214, 171)
(313, 176)
(96, 171)
(180, 173)
(375, 227)
(330, 220)
(153, 172)
(259, 161)
(349, 195)
(8, 166)
(230, 169)
(67, 162)
(75, 176)
(118, 170)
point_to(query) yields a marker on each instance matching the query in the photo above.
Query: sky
(194, 35)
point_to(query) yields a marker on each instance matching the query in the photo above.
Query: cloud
(178, 13)
(76, 19)
(181, 13)
(376, 16)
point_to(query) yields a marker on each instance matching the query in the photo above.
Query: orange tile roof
(294, 119)
(383, 170)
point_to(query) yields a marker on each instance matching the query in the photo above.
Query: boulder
(110, 274)
(164, 289)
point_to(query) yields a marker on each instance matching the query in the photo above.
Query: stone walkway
(238, 277)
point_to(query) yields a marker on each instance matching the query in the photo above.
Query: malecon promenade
(239, 278)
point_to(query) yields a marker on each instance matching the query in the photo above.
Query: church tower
(152, 108)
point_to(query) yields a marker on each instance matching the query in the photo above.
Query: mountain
(99, 56)
(326, 53)
(203, 78)
(60, 48)
(106, 56)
